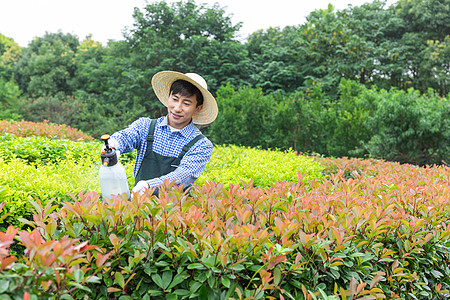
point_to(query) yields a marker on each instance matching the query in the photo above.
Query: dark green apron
(156, 165)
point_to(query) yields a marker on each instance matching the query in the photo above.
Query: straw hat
(162, 81)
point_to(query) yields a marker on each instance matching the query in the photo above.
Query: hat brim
(161, 83)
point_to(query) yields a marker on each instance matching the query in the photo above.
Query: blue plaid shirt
(166, 143)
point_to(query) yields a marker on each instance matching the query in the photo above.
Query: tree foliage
(186, 37)
(10, 52)
(425, 38)
(47, 65)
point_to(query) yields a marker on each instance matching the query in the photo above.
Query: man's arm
(130, 138)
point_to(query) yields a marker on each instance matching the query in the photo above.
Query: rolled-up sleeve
(130, 138)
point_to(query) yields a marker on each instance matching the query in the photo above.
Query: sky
(105, 20)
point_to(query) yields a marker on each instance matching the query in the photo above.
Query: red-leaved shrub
(44, 129)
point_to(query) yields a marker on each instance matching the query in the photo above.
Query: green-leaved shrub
(409, 127)
(236, 165)
(45, 150)
(248, 117)
(22, 182)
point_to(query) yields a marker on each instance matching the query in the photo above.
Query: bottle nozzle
(105, 138)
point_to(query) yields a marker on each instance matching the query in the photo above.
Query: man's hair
(186, 89)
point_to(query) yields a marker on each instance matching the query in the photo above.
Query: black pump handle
(105, 138)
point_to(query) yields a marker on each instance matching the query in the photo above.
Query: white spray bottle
(112, 175)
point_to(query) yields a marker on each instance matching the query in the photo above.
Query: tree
(187, 38)
(436, 61)
(48, 65)
(10, 52)
(277, 59)
(354, 43)
(424, 39)
(88, 74)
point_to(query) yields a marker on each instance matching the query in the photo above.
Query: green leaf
(225, 281)
(286, 293)
(5, 297)
(78, 275)
(209, 260)
(93, 279)
(276, 276)
(195, 286)
(93, 219)
(161, 263)
(171, 297)
(197, 266)
(203, 293)
(181, 292)
(202, 277)
(4, 285)
(436, 273)
(158, 280)
(119, 279)
(28, 222)
(211, 281)
(154, 292)
(238, 267)
(176, 280)
(81, 287)
(166, 279)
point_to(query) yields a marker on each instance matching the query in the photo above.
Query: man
(171, 147)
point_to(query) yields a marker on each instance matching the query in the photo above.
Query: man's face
(181, 109)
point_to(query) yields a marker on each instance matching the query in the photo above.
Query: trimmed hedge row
(46, 169)
(43, 129)
(371, 230)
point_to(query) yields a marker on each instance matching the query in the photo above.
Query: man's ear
(198, 108)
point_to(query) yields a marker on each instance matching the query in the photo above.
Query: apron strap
(189, 145)
(151, 136)
(151, 133)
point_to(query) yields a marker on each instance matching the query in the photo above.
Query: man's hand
(141, 187)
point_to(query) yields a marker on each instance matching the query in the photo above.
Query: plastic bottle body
(113, 181)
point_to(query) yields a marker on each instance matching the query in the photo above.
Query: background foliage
(305, 82)
(394, 125)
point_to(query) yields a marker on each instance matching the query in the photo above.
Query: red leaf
(26, 296)
(7, 261)
(276, 261)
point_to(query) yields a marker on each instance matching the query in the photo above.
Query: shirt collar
(185, 131)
